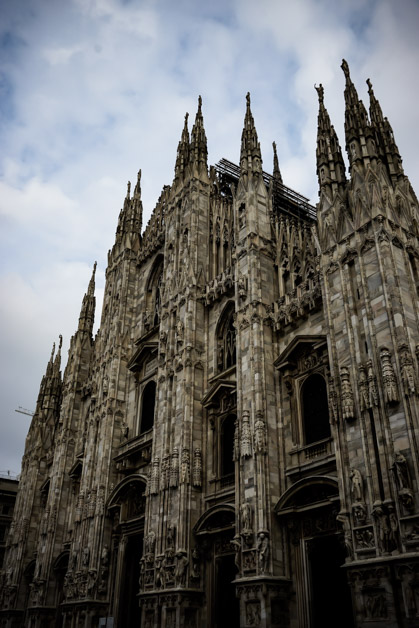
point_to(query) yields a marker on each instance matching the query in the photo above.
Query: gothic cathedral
(238, 445)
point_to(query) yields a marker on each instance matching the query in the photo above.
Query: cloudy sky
(93, 90)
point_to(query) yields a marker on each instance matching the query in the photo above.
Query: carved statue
(389, 377)
(260, 434)
(85, 557)
(246, 517)
(236, 543)
(150, 543)
(182, 563)
(246, 442)
(357, 490)
(408, 373)
(170, 537)
(347, 395)
(401, 471)
(262, 548)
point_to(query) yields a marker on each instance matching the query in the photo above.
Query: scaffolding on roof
(285, 200)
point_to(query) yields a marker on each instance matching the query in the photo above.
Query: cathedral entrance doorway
(309, 510)
(226, 604)
(330, 598)
(129, 609)
(215, 531)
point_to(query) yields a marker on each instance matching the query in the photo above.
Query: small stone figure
(85, 557)
(182, 563)
(356, 485)
(347, 395)
(246, 517)
(263, 551)
(236, 543)
(401, 471)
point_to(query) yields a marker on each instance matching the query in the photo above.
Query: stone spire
(387, 146)
(359, 136)
(250, 155)
(182, 157)
(330, 164)
(87, 313)
(130, 219)
(198, 152)
(276, 171)
(49, 396)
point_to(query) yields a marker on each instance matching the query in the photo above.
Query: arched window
(157, 300)
(315, 409)
(153, 295)
(227, 445)
(226, 343)
(147, 407)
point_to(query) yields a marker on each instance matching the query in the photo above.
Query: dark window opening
(315, 409)
(227, 445)
(147, 407)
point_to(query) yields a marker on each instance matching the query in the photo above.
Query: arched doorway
(127, 502)
(308, 510)
(215, 531)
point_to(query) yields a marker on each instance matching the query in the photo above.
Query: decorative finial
(61, 342)
(94, 268)
(128, 189)
(370, 90)
(345, 68)
(139, 176)
(274, 147)
(199, 102)
(320, 93)
(53, 350)
(248, 99)
(186, 119)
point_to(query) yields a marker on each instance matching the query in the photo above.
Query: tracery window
(227, 344)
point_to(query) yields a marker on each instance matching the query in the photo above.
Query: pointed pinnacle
(320, 93)
(276, 171)
(128, 190)
(199, 103)
(61, 342)
(345, 68)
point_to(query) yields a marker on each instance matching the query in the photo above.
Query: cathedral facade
(238, 445)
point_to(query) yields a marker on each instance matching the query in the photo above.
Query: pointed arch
(153, 291)
(226, 339)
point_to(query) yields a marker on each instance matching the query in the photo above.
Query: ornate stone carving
(246, 439)
(236, 446)
(154, 480)
(347, 395)
(253, 614)
(185, 470)
(372, 387)
(359, 512)
(174, 469)
(389, 378)
(333, 401)
(363, 388)
(197, 469)
(364, 538)
(407, 370)
(196, 564)
(260, 434)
